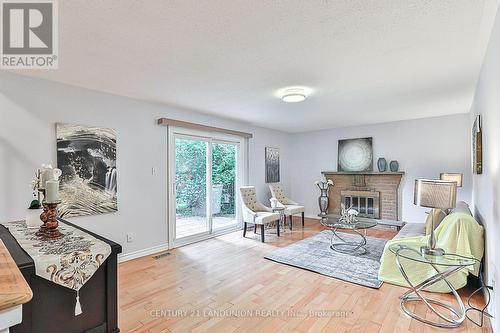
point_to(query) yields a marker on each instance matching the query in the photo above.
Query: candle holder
(48, 231)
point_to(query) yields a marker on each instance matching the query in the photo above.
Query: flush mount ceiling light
(293, 95)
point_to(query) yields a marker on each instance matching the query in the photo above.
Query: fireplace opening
(367, 203)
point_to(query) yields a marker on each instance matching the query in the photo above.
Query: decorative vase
(33, 218)
(382, 164)
(323, 201)
(394, 165)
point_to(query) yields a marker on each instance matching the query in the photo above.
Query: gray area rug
(314, 254)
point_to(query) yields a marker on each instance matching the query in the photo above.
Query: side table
(449, 264)
(281, 223)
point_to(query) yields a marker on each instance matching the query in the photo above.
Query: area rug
(314, 254)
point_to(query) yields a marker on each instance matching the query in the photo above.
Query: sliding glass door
(204, 174)
(224, 175)
(191, 157)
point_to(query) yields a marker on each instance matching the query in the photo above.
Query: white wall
(423, 147)
(486, 189)
(29, 109)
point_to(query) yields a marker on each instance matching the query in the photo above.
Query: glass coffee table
(339, 243)
(444, 266)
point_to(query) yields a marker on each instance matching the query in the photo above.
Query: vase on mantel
(382, 164)
(394, 166)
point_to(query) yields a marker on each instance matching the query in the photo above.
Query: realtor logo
(29, 34)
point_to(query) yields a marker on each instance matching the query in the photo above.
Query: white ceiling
(365, 61)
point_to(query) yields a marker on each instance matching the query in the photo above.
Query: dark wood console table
(52, 306)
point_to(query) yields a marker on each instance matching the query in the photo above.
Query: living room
(250, 167)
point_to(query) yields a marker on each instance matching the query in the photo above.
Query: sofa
(457, 233)
(418, 229)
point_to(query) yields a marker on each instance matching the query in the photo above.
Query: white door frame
(241, 176)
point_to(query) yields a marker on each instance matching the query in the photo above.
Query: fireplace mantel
(371, 173)
(385, 183)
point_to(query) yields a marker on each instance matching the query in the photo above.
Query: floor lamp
(439, 194)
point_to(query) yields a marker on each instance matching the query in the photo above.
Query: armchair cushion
(278, 193)
(293, 209)
(249, 197)
(249, 200)
(265, 217)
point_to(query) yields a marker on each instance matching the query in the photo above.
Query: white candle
(47, 174)
(43, 178)
(51, 191)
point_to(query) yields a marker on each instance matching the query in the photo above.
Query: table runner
(69, 261)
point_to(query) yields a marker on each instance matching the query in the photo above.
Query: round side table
(449, 264)
(338, 241)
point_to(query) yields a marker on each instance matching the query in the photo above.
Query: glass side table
(339, 243)
(448, 264)
(281, 223)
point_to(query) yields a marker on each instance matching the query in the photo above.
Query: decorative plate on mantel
(355, 155)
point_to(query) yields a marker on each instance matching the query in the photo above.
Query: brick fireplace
(374, 194)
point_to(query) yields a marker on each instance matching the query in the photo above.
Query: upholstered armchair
(254, 212)
(291, 207)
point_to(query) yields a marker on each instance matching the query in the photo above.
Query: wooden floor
(192, 225)
(225, 285)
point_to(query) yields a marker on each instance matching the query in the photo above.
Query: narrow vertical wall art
(477, 147)
(272, 165)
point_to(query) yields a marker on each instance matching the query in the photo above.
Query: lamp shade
(452, 177)
(433, 193)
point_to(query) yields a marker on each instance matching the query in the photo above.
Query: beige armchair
(291, 206)
(254, 212)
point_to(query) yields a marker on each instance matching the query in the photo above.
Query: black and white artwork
(272, 165)
(87, 157)
(355, 155)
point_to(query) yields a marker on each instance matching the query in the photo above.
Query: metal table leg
(348, 247)
(415, 295)
(280, 224)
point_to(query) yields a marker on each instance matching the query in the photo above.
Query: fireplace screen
(367, 203)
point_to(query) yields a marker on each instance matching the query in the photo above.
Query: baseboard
(142, 253)
(493, 322)
(314, 217)
(491, 309)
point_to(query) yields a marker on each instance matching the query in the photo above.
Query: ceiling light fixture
(293, 95)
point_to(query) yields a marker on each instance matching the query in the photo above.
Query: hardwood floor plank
(220, 284)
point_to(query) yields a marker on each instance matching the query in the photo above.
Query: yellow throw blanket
(458, 233)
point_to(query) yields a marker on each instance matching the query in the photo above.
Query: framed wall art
(355, 155)
(477, 147)
(86, 156)
(272, 165)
